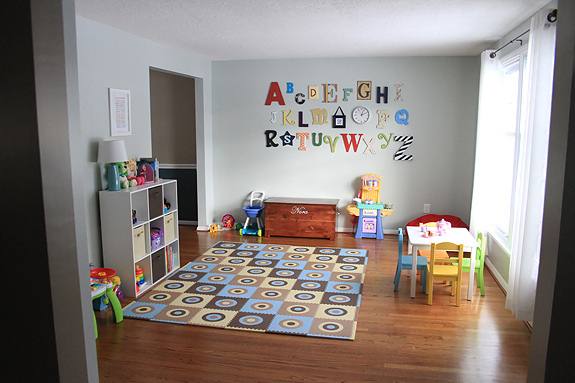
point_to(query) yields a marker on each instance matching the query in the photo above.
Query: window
(505, 144)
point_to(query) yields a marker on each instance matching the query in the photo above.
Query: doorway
(173, 122)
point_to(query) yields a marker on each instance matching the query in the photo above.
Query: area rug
(297, 290)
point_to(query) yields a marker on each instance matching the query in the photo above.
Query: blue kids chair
(404, 263)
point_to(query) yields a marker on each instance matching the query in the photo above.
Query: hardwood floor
(398, 339)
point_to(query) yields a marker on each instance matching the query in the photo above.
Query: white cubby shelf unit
(127, 244)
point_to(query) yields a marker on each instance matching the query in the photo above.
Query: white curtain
(531, 167)
(487, 122)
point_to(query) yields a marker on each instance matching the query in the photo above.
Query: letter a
(274, 94)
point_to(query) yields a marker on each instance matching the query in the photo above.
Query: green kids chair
(479, 263)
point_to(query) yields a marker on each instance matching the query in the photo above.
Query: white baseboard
(342, 229)
(498, 277)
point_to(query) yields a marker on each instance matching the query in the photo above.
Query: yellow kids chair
(479, 263)
(445, 269)
(427, 252)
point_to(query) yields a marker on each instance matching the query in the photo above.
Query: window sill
(501, 242)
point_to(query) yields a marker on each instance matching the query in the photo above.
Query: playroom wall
(111, 58)
(440, 93)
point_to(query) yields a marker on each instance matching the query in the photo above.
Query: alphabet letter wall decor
(302, 136)
(329, 92)
(402, 117)
(275, 94)
(382, 117)
(287, 138)
(270, 135)
(363, 90)
(319, 116)
(310, 107)
(338, 118)
(313, 92)
(400, 154)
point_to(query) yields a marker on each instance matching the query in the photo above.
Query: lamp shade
(112, 151)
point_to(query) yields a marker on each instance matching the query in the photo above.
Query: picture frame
(120, 112)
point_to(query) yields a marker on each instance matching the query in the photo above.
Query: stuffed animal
(132, 168)
(124, 183)
(214, 228)
(123, 173)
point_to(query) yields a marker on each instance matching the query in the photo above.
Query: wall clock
(360, 115)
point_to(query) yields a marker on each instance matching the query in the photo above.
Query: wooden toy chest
(300, 217)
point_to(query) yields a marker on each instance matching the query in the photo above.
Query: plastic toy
(214, 228)
(434, 228)
(369, 209)
(149, 168)
(103, 276)
(116, 283)
(145, 170)
(228, 221)
(101, 292)
(253, 209)
(156, 236)
(167, 206)
(140, 277)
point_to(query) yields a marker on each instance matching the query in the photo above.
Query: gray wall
(551, 351)
(439, 92)
(173, 116)
(111, 58)
(59, 138)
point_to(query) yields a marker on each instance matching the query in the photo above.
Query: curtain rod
(551, 17)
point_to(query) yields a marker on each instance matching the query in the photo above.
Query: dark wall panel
(187, 191)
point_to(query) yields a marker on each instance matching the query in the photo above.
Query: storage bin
(139, 241)
(169, 227)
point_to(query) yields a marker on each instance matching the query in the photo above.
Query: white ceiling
(258, 29)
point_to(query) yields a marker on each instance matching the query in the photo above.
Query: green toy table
(100, 291)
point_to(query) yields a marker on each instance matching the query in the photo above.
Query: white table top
(454, 235)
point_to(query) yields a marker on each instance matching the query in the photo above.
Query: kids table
(455, 235)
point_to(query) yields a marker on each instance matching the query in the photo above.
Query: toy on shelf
(253, 208)
(228, 221)
(149, 168)
(156, 236)
(167, 206)
(368, 208)
(140, 278)
(123, 174)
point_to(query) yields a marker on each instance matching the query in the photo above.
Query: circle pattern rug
(296, 290)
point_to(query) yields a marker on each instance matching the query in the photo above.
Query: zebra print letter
(400, 154)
